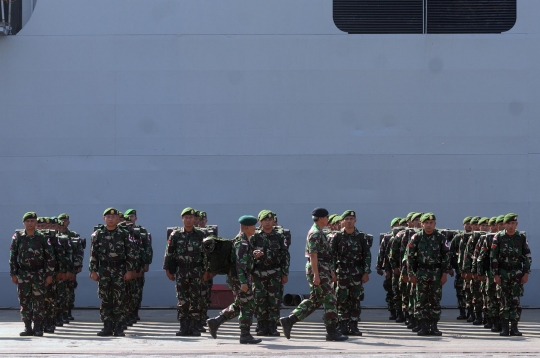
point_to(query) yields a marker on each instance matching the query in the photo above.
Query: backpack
(218, 252)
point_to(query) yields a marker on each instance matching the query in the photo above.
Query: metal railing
(5, 26)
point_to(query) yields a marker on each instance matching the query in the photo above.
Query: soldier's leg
(435, 298)
(412, 299)
(260, 295)
(104, 294)
(246, 303)
(356, 295)
(422, 298)
(396, 291)
(274, 298)
(182, 294)
(460, 294)
(327, 298)
(234, 308)
(25, 293)
(195, 284)
(343, 297)
(309, 305)
(404, 295)
(387, 286)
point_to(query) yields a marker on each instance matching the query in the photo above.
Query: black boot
(107, 329)
(489, 323)
(287, 324)
(333, 334)
(213, 325)
(48, 327)
(58, 320)
(400, 318)
(343, 327)
(407, 318)
(129, 320)
(434, 330)
(496, 327)
(124, 325)
(472, 316)
(28, 331)
(424, 328)
(70, 316)
(137, 315)
(38, 329)
(194, 329)
(200, 326)
(353, 329)
(272, 329)
(514, 328)
(263, 328)
(247, 338)
(462, 314)
(412, 323)
(65, 318)
(504, 326)
(119, 329)
(478, 318)
(258, 326)
(417, 326)
(392, 315)
(184, 328)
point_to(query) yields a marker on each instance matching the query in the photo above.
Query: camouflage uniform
(466, 283)
(147, 254)
(454, 263)
(491, 301)
(382, 260)
(78, 245)
(66, 266)
(393, 263)
(206, 287)
(475, 293)
(51, 290)
(398, 260)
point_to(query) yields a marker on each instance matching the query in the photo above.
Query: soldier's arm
(367, 257)
(527, 257)
(285, 257)
(242, 257)
(412, 257)
(467, 261)
(94, 257)
(445, 255)
(380, 256)
(13, 254)
(149, 251)
(494, 256)
(50, 259)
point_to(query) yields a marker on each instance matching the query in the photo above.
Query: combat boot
(193, 329)
(504, 326)
(184, 328)
(137, 315)
(124, 325)
(213, 325)
(263, 328)
(424, 328)
(333, 334)
(200, 326)
(489, 323)
(472, 316)
(514, 328)
(70, 316)
(412, 323)
(462, 314)
(400, 318)
(38, 329)
(407, 318)
(65, 318)
(343, 327)
(119, 329)
(247, 338)
(272, 329)
(128, 321)
(48, 327)
(287, 324)
(353, 329)
(434, 330)
(496, 327)
(418, 326)
(392, 315)
(107, 329)
(28, 331)
(58, 322)
(478, 318)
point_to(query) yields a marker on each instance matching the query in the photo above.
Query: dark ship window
(16, 16)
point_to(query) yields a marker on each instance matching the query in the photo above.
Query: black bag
(218, 252)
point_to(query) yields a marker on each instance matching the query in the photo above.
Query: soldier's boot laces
(353, 329)
(489, 323)
(333, 334)
(505, 329)
(496, 325)
(472, 317)
(119, 329)
(184, 328)
(247, 338)
(70, 316)
(65, 318)
(434, 329)
(200, 326)
(213, 325)
(343, 327)
(272, 329)
(400, 318)
(424, 328)
(287, 324)
(478, 318)
(514, 328)
(48, 326)
(462, 314)
(106, 330)
(38, 329)
(392, 315)
(263, 328)
(58, 320)
(193, 328)
(28, 331)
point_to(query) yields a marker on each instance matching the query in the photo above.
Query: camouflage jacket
(464, 239)
(185, 249)
(398, 249)
(318, 242)
(350, 252)
(67, 256)
(78, 245)
(276, 258)
(242, 259)
(428, 253)
(31, 253)
(483, 265)
(510, 253)
(381, 257)
(468, 256)
(111, 249)
(454, 251)
(286, 235)
(57, 248)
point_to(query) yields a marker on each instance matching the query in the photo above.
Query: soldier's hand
(94, 276)
(59, 276)
(244, 287)
(388, 274)
(334, 278)
(284, 279)
(412, 279)
(146, 268)
(14, 279)
(365, 278)
(48, 280)
(475, 276)
(405, 278)
(444, 278)
(468, 276)
(525, 278)
(205, 276)
(169, 275)
(497, 279)
(128, 276)
(463, 275)
(316, 280)
(396, 271)
(258, 253)
(379, 272)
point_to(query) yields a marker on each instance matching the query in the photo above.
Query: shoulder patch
(410, 245)
(493, 246)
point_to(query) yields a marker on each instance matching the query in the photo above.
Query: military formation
(489, 258)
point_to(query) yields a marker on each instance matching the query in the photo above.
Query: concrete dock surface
(154, 336)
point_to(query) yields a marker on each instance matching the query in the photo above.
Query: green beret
(41, 220)
(510, 217)
(60, 223)
(500, 219)
(54, 220)
(336, 219)
(409, 215)
(197, 213)
(46, 220)
(110, 211)
(331, 217)
(467, 220)
(483, 220)
(492, 221)
(475, 219)
(275, 216)
(29, 215)
(188, 211)
(416, 216)
(126, 217)
(120, 214)
(202, 214)
(428, 216)
(247, 220)
(265, 214)
(348, 213)
(130, 211)
(395, 221)
(403, 221)
(63, 216)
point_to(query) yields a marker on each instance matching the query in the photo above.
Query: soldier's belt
(118, 263)
(264, 267)
(321, 258)
(351, 264)
(509, 267)
(429, 267)
(31, 268)
(187, 265)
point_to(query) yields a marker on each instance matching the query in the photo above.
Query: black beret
(319, 212)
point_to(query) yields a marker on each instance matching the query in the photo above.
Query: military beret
(500, 219)
(266, 214)
(475, 219)
(331, 217)
(197, 213)
(395, 221)
(428, 216)
(403, 221)
(63, 216)
(126, 217)
(120, 214)
(188, 211)
(409, 215)
(130, 211)
(247, 220)
(467, 220)
(110, 211)
(483, 220)
(416, 216)
(510, 217)
(202, 214)
(29, 215)
(348, 213)
(336, 219)
(492, 221)
(46, 219)
(54, 220)
(60, 222)
(319, 212)
(41, 220)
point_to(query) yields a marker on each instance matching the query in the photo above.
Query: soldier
(467, 277)
(383, 268)
(31, 266)
(320, 275)
(427, 268)
(112, 260)
(239, 279)
(454, 263)
(185, 263)
(208, 278)
(331, 227)
(511, 264)
(480, 273)
(352, 259)
(67, 272)
(271, 270)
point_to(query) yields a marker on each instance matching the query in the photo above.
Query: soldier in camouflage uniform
(352, 259)
(65, 264)
(208, 278)
(320, 275)
(467, 277)
(270, 272)
(31, 267)
(454, 263)
(511, 264)
(184, 263)
(112, 260)
(392, 264)
(428, 264)
(243, 257)
(383, 267)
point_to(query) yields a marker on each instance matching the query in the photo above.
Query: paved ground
(154, 336)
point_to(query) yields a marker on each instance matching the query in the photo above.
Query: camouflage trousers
(477, 298)
(411, 288)
(266, 291)
(31, 294)
(405, 290)
(349, 294)
(50, 299)
(396, 291)
(139, 294)
(319, 295)
(130, 298)
(491, 301)
(243, 304)
(511, 292)
(206, 298)
(389, 298)
(62, 296)
(428, 295)
(72, 285)
(111, 292)
(188, 292)
(460, 294)
(467, 291)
